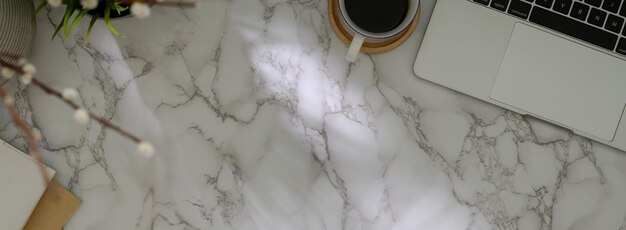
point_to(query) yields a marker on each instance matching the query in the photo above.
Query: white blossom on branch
(69, 96)
(55, 3)
(140, 10)
(89, 4)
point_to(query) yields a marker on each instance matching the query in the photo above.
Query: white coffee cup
(361, 36)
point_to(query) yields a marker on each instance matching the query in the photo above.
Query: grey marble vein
(260, 123)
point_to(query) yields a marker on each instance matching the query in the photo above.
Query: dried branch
(93, 116)
(145, 148)
(31, 138)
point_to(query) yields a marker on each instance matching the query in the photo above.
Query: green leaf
(69, 11)
(56, 31)
(107, 20)
(42, 4)
(77, 19)
(93, 21)
(119, 8)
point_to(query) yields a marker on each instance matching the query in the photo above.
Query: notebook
(21, 187)
(55, 208)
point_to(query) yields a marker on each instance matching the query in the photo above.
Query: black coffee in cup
(377, 16)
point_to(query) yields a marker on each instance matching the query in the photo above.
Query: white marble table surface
(260, 123)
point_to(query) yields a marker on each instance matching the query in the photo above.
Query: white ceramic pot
(17, 27)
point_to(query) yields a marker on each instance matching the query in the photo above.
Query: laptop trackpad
(562, 81)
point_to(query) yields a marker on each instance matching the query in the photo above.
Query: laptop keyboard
(599, 22)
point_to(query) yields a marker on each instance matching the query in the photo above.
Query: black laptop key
(500, 4)
(614, 23)
(519, 9)
(597, 17)
(623, 11)
(580, 11)
(621, 46)
(595, 3)
(484, 2)
(562, 6)
(545, 3)
(611, 5)
(574, 28)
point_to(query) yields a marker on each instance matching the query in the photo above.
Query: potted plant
(77, 10)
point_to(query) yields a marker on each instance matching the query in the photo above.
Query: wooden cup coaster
(368, 47)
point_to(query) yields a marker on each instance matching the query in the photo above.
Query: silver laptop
(563, 61)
